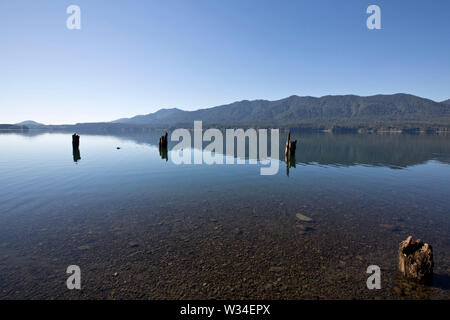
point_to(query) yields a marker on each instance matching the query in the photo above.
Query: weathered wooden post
(415, 260)
(289, 151)
(286, 149)
(75, 141)
(75, 147)
(162, 143)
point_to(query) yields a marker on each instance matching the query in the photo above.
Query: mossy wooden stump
(415, 260)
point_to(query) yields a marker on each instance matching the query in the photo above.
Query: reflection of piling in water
(75, 141)
(289, 153)
(163, 153)
(290, 162)
(76, 154)
(162, 145)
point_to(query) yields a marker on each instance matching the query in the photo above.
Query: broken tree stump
(75, 141)
(415, 260)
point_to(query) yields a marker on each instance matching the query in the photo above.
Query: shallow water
(141, 227)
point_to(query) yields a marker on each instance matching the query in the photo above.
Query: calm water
(141, 227)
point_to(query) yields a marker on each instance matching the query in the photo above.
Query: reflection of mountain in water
(394, 150)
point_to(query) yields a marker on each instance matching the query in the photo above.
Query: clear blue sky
(135, 57)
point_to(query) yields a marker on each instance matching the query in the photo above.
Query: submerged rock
(133, 244)
(303, 228)
(301, 217)
(390, 227)
(268, 286)
(415, 260)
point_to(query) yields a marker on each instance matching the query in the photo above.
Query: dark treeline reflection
(390, 150)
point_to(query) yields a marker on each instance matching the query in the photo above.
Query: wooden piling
(162, 143)
(75, 141)
(291, 146)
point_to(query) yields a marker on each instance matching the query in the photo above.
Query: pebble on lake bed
(301, 217)
(133, 244)
(276, 269)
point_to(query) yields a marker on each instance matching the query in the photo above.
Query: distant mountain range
(297, 110)
(29, 123)
(336, 113)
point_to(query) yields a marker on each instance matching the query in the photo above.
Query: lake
(141, 227)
